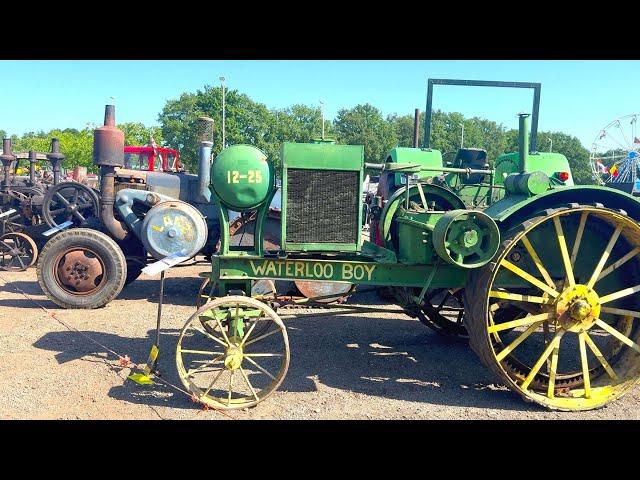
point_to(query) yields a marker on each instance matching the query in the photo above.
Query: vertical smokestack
(110, 116)
(205, 137)
(416, 128)
(33, 158)
(523, 141)
(108, 153)
(7, 159)
(56, 158)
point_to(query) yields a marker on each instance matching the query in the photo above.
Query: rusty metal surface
(80, 270)
(18, 252)
(108, 141)
(108, 153)
(56, 158)
(311, 289)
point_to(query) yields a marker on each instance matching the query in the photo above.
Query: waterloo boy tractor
(550, 272)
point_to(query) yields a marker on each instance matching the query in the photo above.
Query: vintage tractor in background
(548, 271)
(34, 203)
(139, 187)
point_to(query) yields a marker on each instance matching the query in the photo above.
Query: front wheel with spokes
(224, 360)
(555, 315)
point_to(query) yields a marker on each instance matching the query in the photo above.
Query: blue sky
(578, 97)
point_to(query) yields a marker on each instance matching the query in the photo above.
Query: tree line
(251, 122)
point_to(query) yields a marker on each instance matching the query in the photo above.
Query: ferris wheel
(616, 150)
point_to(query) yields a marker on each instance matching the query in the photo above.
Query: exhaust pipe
(7, 159)
(205, 136)
(108, 153)
(56, 158)
(523, 141)
(33, 158)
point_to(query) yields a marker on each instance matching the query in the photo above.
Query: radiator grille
(322, 206)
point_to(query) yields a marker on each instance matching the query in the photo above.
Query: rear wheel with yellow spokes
(226, 357)
(555, 315)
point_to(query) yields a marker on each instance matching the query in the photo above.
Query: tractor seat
(475, 158)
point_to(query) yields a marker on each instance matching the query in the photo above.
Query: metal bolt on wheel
(555, 315)
(221, 359)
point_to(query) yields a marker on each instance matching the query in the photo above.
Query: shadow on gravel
(393, 358)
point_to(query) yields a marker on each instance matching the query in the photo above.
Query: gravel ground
(379, 366)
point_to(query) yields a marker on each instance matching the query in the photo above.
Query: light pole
(550, 144)
(222, 79)
(322, 116)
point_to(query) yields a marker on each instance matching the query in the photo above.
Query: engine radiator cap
(171, 227)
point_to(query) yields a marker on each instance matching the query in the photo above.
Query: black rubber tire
(109, 253)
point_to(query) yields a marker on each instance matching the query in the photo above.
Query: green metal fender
(514, 209)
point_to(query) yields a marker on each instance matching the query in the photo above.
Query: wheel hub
(80, 271)
(577, 308)
(233, 358)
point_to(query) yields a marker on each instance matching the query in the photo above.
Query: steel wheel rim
(233, 363)
(60, 263)
(20, 250)
(572, 308)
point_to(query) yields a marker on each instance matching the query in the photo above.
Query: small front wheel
(221, 359)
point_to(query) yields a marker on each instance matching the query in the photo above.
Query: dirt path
(382, 366)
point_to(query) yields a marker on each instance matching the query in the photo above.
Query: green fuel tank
(242, 177)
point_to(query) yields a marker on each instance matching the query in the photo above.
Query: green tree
(246, 122)
(364, 125)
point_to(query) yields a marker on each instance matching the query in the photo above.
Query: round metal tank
(171, 227)
(241, 177)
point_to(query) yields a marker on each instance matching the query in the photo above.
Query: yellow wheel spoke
(563, 250)
(230, 387)
(215, 379)
(538, 262)
(257, 339)
(224, 334)
(263, 355)
(552, 371)
(605, 257)
(200, 352)
(623, 338)
(255, 364)
(207, 334)
(529, 278)
(246, 379)
(620, 311)
(517, 297)
(603, 361)
(619, 294)
(576, 244)
(555, 343)
(523, 336)
(202, 367)
(585, 366)
(618, 263)
(519, 323)
(246, 336)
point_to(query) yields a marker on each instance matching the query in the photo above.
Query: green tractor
(547, 271)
